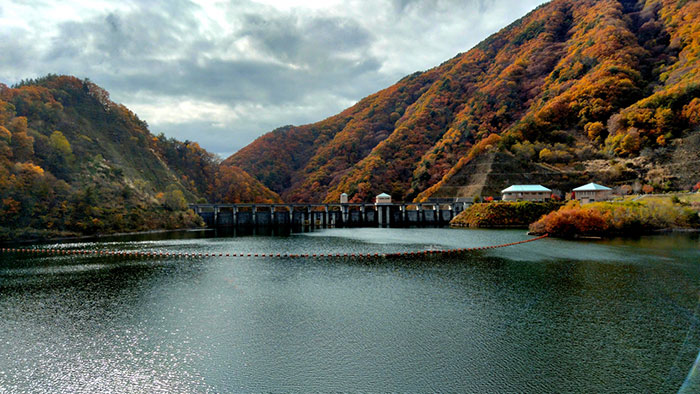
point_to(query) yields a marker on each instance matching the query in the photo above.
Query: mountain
(577, 90)
(74, 162)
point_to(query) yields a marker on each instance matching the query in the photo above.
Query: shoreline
(100, 235)
(493, 227)
(623, 234)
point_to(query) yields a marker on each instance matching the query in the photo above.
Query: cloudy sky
(224, 72)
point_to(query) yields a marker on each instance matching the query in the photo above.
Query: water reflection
(550, 316)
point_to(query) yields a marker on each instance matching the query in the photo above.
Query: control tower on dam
(428, 214)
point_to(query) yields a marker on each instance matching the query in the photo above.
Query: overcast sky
(224, 72)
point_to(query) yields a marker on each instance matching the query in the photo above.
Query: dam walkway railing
(329, 215)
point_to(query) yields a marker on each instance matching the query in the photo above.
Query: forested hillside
(73, 162)
(576, 90)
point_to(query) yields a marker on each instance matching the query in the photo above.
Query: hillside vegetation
(503, 214)
(577, 90)
(615, 218)
(73, 162)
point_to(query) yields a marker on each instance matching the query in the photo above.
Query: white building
(591, 192)
(526, 193)
(383, 199)
(344, 198)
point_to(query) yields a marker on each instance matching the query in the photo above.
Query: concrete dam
(430, 214)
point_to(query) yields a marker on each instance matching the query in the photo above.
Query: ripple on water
(617, 316)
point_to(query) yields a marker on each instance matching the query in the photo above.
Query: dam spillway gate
(329, 215)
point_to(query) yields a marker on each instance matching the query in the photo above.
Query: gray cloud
(433, 6)
(224, 76)
(303, 55)
(313, 41)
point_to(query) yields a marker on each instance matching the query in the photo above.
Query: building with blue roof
(591, 192)
(526, 193)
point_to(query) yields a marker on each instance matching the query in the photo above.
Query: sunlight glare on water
(547, 316)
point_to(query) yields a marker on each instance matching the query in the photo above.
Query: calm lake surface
(547, 316)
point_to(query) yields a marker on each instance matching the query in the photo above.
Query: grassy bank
(503, 214)
(620, 218)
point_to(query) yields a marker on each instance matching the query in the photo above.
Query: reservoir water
(547, 316)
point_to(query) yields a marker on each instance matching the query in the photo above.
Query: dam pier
(428, 214)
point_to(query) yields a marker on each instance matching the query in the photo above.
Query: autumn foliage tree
(615, 218)
(174, 199)
(232, 185)
(509, 214)
(570, 221)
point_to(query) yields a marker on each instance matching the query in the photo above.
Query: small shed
(526, 193)
(344, 198)
(591, 192)
(383, 199)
